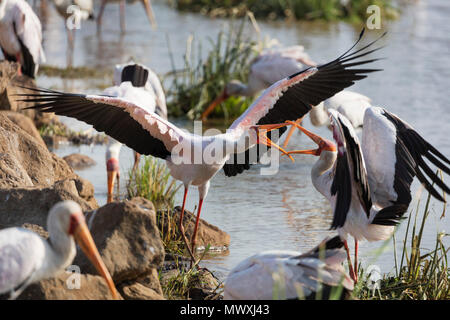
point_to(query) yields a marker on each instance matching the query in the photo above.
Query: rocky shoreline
(32, 180)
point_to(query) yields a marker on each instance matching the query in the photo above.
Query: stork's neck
(61, 249)
(321, 174)
(318, 115)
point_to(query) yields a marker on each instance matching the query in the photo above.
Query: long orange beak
(148, 9)
(223, 96)
(262, 130)
(323, 143)
(86, 243)
(112, 175)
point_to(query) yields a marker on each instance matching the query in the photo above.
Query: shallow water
(282, 211)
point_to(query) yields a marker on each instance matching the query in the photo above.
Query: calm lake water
(282, 211)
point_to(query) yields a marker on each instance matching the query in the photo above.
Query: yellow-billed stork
(21, 36)
(368, 184)
(140, 85)
(291, 274)
(195, 159)
(25, 257)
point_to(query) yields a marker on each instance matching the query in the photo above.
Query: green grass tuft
(329, 10)
(202, 80)
(152, 181)
(418, 275)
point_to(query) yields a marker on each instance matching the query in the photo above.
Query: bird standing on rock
(195, 159)
(21, 36)
(26, 258)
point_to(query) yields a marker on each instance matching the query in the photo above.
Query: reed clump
(201, 80)
(151, 180)
(330, 10)
(420, 274)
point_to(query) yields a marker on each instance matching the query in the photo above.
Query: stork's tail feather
(28, 67)
(136, 74)
(390, 216)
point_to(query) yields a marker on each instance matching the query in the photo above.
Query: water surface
(282, 211)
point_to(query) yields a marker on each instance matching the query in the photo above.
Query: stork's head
(233, 88)
(322, 143)
(67, 217)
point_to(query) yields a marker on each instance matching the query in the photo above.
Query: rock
(151, 280)
(31, 204)
(218, 240)
(24, 162)
(79, 161)
(25, 123)
(127, 238)
(137, 291)
(201, 285)
(10, 83)
(91, 288)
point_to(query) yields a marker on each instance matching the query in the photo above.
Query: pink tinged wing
(159, 128)
(262, 106)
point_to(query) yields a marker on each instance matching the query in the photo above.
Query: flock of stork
(367, 183)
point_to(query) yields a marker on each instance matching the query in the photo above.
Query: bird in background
(350, 104)
(147, 6)
(270, 66)
(73, 12)
(277, 63)
(195, 159)
(21, 36)
(283, 274)
(138, 84)
(369, 185)
(26, 257)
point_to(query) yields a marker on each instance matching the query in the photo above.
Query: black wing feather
(114, 121)
(411, 149)
(298, 100)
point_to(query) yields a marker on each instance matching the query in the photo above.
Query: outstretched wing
(293, 97)
(125, 121)
(350, 170)
(395, 153)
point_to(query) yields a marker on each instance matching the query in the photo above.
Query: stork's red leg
(183, 235)
(100, 14)
(350, 265)
(122, 16)
(356, 260)
(137, 157)
(194, 236)
(19, 69)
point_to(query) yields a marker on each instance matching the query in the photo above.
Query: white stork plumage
(140, 85)
(291, 275)
(21, 36)
(270, 66)
(195, 159)
(25, 257)
(350, 104)
(147, 6)
(368, 185)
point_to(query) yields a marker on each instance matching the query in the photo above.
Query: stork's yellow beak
(86, 243)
